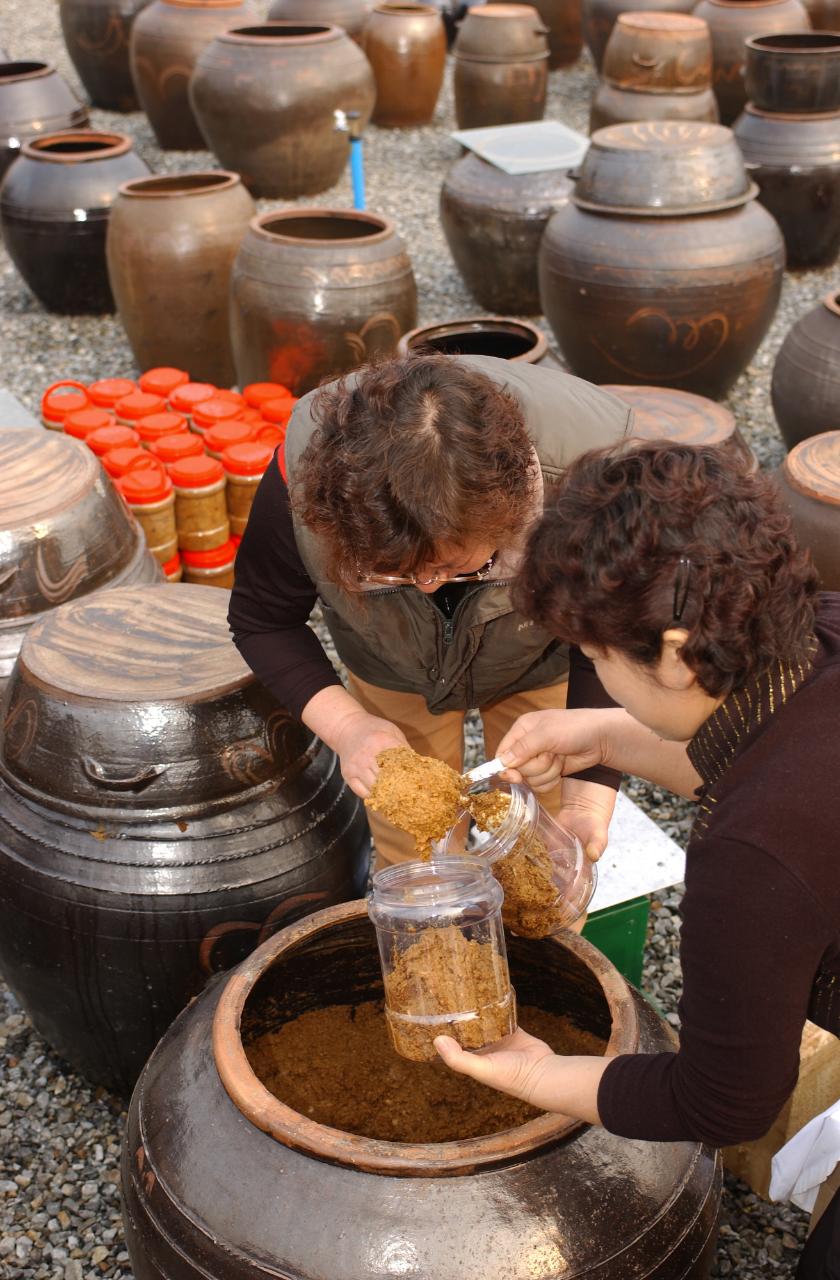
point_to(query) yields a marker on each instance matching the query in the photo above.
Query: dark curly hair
(418, 451)
(600, 568)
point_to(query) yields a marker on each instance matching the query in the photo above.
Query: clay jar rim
(791, 117)
(384, 226)
(372, 1155)
(287, 33)
(474, 324)
(105, 146)
(802, 482)
(397, 10)
(170, 185)
(36, 69)
(746, 4)
(204, 4)
(672, 26)
(817, 43)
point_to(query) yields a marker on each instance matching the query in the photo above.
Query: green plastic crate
(620, 932)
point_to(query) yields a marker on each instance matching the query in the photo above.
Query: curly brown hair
(600, 568)
(410, 454)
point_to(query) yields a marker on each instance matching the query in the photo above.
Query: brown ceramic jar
(97, 34)
(624, 106)
(794, 73)
(166, 39)
(405, 45)
(493, 222)
(657, 66)
(200, 506)
(564, 19)
(806, 376)
(599, 18)
(731, 22)
(501, 66)
(170, 249)
(34, 100)
(349, 14)
(265, 99)
(498, 336)
(824, 14)
(316, 292)
(810, 482)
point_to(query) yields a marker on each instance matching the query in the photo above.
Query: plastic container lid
(118, 462)
(62, 398)
(146, 487)
(189, 394)
(106, 438)
(268, 433)
(172, 566)
(81, 422)
(215, 559)
(256, 393)
(236, 538)
(221, 437)
(186, 444)
(163, 380)
(211, 412)
(195, 473)
(155, 426)
(247, 459)
(227, 393)
(139, 404)
(107, 391)
(278, 411)
(251, 415)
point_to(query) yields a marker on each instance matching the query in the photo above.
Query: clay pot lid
(316, 227)
(19, 70)
(812, 468)
(79, 146)
(287, 33)
(678, 416)
(372, 1155)
(41, 472)
(664, 169)
(477, 335)
(179, 185)
(152, 643)
(672, 24)
(808, 42)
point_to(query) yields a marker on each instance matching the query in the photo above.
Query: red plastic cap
(195, 473)
(139, 404)
(247, 459)
(236, 538)
(118, 462)
(146, 486)
(81, 422)
(268, 433)
(172, 566)
(172, 448)
(215, 559)
(187, 396)
(158, 425)
(108, 391)
(216, 439)
(211, 412)
(233, 397)
(163, 381)
(106, 438)
(278, 411)
(256, 393)
(62, 398)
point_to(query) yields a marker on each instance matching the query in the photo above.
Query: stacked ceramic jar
(501, 66)
(732, 23)
(789, 134)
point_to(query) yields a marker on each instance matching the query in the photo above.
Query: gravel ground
(59, 1138)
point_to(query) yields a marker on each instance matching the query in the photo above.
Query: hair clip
(682, 582)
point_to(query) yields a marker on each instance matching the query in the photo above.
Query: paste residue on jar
(419, 794)
(526, 874)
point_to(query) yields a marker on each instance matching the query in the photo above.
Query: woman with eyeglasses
(413, 484)
(676, 570)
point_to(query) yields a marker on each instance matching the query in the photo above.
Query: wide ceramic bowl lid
(663, 168)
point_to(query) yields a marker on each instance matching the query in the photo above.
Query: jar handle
(647, 63)
(64, 382)
(6, 578)
(108, 776)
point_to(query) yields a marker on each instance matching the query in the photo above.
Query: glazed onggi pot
(64, 532)
(405, 45)
(498, 336)
(265, 98)
(600, 16)
(97, 35)
(794, 73)
(662, 268)
(316, 292)
(166, 40)
(657, 66)
(795, 160)
(564, 19)
(501, 66)
(220, 1174)
(681, 417)
(160, 812)
(824, 14)
(54, 208)
(34, 100)
(731, 22)
(806, 376)
(493, 222)
(809, 479)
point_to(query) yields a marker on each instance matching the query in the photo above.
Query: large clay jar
(624, 106)
(171, 246)
(349, 14)
(501, 66)
(161, 812)
(406, 47)
(731, 22)
(681, 417)
(795, 159)
(316, 292)
(809, 479)
(97, 35)
(54, 209)
(265, 99)
(794, 73)
(657, 66)
(493, 222)
(503, 1195)
(564, 19)
(166, 39)
(34, 100)
(600, 16)
(662, 268)
(64, 532)
(806, 376)
(824, 14)
(498, 336)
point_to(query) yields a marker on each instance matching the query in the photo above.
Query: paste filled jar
(171, 449)
(258, 393)
(81, 422)
(547, 879)
(107, 391)
(185, 398)
(118, 462)
(137, 405)
(150, 496)
(212, 412)
(162, 381)
(217, 439)
(173, 569)
(103, 439)
(200, 507)
(157, 426)
(244, 464)
(210, 568)
(442, 950)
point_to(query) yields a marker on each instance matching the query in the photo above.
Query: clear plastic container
(442, 948)
(548, 880)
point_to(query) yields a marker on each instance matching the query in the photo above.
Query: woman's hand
(542, 747)
(357, 742)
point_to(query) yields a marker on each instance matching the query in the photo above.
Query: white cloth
(807, 1160)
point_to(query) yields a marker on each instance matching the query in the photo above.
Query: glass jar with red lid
(107, 391)
(157, 426)
(210, 568)
(210, 413)
(221, 437)
(118, 462)
(257, 393)
(169, 449)
(81, 422)
(245, 465)
(62, 398)
(150, 495)
(104, 439)
(163, 380)
(185, 398)
(200, 506)
(279, 411)
(139, 404)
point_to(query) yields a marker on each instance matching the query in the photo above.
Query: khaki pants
(443, 737)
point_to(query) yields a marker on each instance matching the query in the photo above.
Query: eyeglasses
(411, 579)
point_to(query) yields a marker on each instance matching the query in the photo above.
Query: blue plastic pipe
(357, 172)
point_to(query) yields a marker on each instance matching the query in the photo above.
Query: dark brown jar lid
(812, 468)
(41, 472)
(678, 416)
